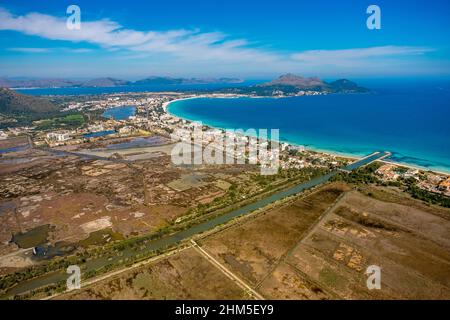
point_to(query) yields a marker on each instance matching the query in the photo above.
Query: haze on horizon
(252, 40)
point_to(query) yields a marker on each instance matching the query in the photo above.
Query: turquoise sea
(410, 120)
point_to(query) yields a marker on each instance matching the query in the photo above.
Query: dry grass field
(185, 275)
(410, 243)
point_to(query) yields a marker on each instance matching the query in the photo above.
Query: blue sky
(249, 39)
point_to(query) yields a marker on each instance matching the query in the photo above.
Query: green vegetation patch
(364, 175)
(187, 181)
(101, 237)
(429, 197)
(71, 120)
(32, 238)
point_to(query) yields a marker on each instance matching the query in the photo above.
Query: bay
(411, 121)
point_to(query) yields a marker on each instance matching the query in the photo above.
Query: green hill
(290, 83)
(12, 103)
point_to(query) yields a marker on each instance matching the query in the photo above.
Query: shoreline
(166, 104)
(165, 107)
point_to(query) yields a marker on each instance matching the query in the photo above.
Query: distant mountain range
(290, 82)
(109, 82)
(290, 79)
(12, 102)
(169, 80)
(103, 82)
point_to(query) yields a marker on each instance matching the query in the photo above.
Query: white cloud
(29, 50)
(46, 50)
(355, 56)
(109, 34)
(79, 50)
(188, 50)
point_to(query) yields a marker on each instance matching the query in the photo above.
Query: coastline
(166, 105)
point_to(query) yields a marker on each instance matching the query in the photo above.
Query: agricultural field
(410, 243)
(320, 246)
